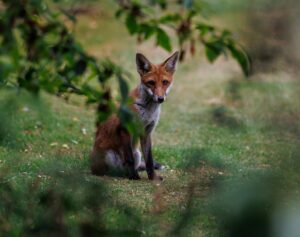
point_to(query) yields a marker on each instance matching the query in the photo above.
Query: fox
(114, 146)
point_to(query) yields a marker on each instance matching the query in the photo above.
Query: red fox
(114, 147)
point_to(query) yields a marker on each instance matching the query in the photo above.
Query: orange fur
(158, 74)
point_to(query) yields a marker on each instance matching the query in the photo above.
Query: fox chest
(149, 115)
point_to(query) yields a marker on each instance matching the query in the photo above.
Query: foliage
(155, 19)
(49, 209)
(40, 53)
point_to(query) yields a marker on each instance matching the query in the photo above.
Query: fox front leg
(147, 152)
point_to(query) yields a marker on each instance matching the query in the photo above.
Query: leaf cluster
(40, 53)
(185, 19)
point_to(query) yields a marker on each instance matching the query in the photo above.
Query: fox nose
(160, 99)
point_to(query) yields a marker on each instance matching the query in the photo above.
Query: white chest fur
(149, 110)
(149, 113)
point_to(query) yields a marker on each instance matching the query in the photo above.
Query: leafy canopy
(39, 53)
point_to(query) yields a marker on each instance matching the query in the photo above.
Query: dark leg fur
(147, 152)
(98, 166)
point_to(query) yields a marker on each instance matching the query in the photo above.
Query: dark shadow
(222, 116)
(198, 157)
(232, 90)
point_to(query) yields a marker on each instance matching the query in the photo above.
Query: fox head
(156, 79)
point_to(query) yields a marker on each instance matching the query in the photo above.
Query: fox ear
(142, 63)
(171, 62)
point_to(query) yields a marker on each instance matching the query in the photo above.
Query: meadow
(216, 128)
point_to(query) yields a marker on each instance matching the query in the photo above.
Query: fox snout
(160, 94)
(160, 99)
(154, 95)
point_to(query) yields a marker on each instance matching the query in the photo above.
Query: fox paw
(134, 176)
(158, 166)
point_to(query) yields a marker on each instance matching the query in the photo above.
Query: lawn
(215, 127)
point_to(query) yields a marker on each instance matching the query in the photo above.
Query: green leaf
(226, 34)
(170, 18)
(163, 39)
(204, 28)
(131, 24)
(147, 30)
(123, 88)
(126, 116)
(241, 57)
(213, 50)
(130, 121)
(80, 66)
(119, 12)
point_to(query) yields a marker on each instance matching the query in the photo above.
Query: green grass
(215, 126)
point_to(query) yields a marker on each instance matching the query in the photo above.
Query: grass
(215, 126)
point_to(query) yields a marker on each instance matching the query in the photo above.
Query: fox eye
(150, 83)
(165, 82)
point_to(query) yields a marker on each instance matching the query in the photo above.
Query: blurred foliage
(267, 28)
(49, 209)
(273, 41)
(162, 19)
(40, 53)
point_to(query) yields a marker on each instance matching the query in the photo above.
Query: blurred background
(229, 133)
